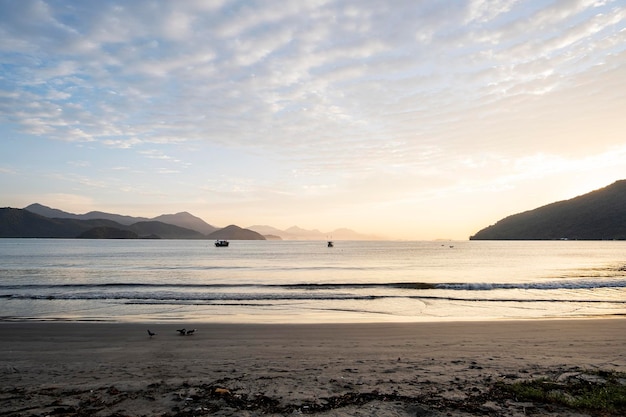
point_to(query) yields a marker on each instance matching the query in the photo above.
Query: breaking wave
(183, 293)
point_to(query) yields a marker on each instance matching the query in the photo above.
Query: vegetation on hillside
(598, 215)
(20, 223)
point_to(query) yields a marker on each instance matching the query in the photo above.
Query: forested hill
(18, 223)
(23, 223)
(598, 215)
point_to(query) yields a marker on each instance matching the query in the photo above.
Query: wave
(263, 299)
(462, 286)
(188, 293)
(551, 285)
(474, 286)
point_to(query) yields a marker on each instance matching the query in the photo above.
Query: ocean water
(305, 281)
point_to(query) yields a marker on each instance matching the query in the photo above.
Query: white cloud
(481, 11)
(338, 91)
(7, 171)
(122, 143)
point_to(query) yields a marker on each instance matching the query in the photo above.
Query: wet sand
(420, 369)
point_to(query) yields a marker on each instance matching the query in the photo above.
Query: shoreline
(273, 321)
(390, 369)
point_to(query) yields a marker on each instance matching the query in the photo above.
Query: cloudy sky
(413, 119)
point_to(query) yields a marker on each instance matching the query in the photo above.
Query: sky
(413, 119)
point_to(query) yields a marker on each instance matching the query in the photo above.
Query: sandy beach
(421, 369)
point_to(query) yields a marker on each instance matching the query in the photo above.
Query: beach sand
(417, 369)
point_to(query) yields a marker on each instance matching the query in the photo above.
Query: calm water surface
(304, 281)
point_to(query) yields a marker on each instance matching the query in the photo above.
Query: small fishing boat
(330, 244)
(221, 243)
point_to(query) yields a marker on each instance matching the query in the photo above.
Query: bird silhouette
(190, 332)
(151, 333)
(182, 331)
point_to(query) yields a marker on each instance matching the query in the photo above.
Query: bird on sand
(190, 332)
(182, 331)
(151, 333)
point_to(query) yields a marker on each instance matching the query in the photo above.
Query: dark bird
(190, 332)
(182, 331)
(151, 333)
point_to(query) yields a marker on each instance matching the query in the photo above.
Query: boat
(330, 244)
(221, 243)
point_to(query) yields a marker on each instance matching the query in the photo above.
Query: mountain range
(598, 215)
(297, 233)
(182, 219)
(37, 220)
(24, 223)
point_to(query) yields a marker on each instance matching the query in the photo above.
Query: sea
(308, 282)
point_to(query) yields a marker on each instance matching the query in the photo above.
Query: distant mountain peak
(298, 233)
(187, 220)
(49, 211)
(297, 229)
(235, 232)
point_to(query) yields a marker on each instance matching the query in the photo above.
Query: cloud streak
(339, 92)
